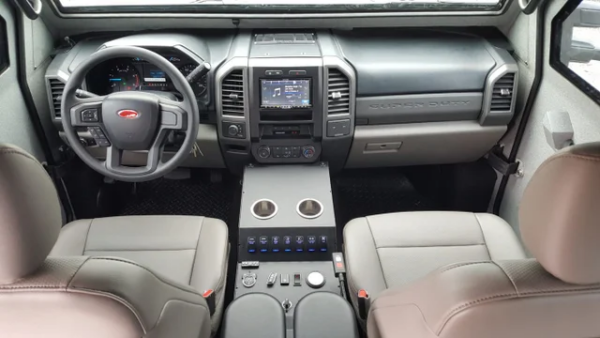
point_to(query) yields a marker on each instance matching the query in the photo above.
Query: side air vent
(232, 93)
(502, 93)
(338, 93)
(56, 90)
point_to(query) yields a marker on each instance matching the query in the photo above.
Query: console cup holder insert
(263, 209)
(309, 208)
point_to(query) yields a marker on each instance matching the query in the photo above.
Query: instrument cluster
(129, 74)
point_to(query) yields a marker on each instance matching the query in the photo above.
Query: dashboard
(129, 74)
(360, 98)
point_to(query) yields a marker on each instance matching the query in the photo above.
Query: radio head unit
(285, 93)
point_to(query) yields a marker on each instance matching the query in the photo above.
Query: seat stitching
(87, 236)
(460, 265)
(428, 246)
(115, 259)
(139, 250)
(483, 235)
(376, 252)
(509, 277)
(76, 271)
(464, 306)
(196, 252)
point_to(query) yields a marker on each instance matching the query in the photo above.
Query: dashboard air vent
(56, 90)
(232, 93)
(502, 93)
(338, 93)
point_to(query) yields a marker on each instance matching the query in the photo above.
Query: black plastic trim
(555, 49)
(535, 88)
(362, 9)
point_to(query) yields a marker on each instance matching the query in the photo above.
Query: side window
(576, 45)
(3, 46)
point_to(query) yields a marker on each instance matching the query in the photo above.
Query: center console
(287, 256)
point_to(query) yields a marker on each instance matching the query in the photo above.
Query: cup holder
(264, 209)
(309, 208)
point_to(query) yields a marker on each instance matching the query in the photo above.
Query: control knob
(315, 280)
(233, 130)
(308, 152)
(264, 152)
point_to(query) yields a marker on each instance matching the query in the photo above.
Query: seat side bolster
(362, 260)
(150, 297)
(72, 239)
(501, 241)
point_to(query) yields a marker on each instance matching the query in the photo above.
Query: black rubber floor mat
(181, 197)
(365, 192)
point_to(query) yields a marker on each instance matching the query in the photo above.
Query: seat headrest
(30, 216)
(560, 214)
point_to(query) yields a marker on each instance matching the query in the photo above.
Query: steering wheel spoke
(173, 115)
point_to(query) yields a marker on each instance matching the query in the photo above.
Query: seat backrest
(76, 296)
(557, 294)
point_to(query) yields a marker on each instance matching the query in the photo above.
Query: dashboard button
(233, 130)
(287, 243)
(308, 152)
(299, 243)
(89, 115)
(249, 280)
(273, 72)
(263, 244)
(264, 152)
(311, 243)
(251, 244)
(297, 72)
(276, 244)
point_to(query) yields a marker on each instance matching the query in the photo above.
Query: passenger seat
(393, 250)
(491, 290)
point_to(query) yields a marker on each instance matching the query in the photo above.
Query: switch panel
(277, 244)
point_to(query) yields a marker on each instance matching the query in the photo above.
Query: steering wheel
(130, 120)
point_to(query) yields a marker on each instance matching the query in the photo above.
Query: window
(3, 46)
(276, 6)
(576, 45)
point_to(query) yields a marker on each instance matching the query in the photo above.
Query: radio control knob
(233, 130)
(308, 152)
(264, 152)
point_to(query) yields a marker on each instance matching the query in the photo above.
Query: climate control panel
(277, 152)
(279, 244)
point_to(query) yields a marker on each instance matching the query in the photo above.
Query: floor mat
(198, 197)
(359, 193)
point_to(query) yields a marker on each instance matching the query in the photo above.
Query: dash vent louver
(338, 93)
(232, 94)
(56, 89)
(502, 93)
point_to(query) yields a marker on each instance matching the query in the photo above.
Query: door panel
(15, 124)
(557, 94)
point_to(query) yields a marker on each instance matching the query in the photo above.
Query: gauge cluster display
(128, 74)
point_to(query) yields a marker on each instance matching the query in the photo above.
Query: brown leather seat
(79, 293)
(557, 294)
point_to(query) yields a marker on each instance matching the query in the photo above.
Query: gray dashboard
(408, 93)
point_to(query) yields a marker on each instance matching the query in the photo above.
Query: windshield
(278, 6)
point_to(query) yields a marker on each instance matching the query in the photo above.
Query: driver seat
(120, 277)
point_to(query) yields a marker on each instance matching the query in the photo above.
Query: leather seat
(188, 250)
(114, 277)
(555, 294)
(393, 250)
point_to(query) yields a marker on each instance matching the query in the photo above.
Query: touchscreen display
(285, 94)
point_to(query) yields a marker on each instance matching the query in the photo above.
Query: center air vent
(502, 94)
(338, 93)
(232, 93)
(56, 91)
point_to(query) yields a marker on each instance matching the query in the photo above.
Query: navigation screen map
(285, 94)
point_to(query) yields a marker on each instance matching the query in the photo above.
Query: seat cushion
(392, 250)
(189, 250)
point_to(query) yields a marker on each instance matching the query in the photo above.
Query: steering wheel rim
(157, 117)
